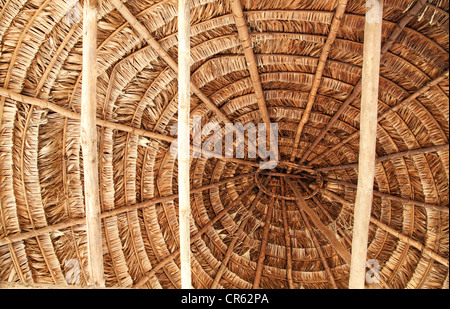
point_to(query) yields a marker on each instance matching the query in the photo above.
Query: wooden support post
(89, 143)
(368, 139)
(184, 109)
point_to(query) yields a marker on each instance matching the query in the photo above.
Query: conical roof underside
(41, 166)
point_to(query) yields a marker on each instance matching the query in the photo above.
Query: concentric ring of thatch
(41, 175)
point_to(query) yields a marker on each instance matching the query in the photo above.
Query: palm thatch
(290, 62)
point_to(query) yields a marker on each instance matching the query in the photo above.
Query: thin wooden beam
(276, 174)
(326, 213)
(405, 102)
(287, 239)
(393, 197)
(163, 54)
(435, 8)
(339, 13)
(244, 36)
(357, 89)
(367, 145)
(121, 127)
(318, 248)
(414, 243)
(416, 94)
(400, 26)
(262, 249)
(107, 124)
(89, 144)
(390, 156)
(184, 108)
(330, 235)
(107, 214)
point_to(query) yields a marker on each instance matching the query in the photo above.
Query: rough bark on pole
(262, 251)
(368, 136)
(89, 143)
(184, 97)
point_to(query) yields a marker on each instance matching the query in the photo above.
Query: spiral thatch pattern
(237, 226)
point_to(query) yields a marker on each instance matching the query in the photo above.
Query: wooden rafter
(393, 197)
(357, 89)
(414, 243)
(184, 109)
(233, 243)
(326, 213)
(195, 237)
(163, 54)
(318, 248)
(120, 127)
(107, 214)
(252, 63)
(105, 123)
(89, 144)
(340, 10)
(145, 34)
(338, 228)
(382, 116)
(330, 235)
(287, 239)
(262, 249)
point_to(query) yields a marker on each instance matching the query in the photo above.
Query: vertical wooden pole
(184, 97)
(89, 143)
(368, 137)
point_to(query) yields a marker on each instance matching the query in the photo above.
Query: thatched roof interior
(41, 166)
